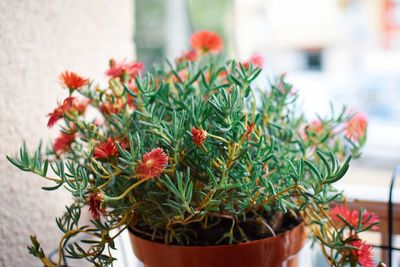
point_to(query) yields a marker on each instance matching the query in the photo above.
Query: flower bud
(116, 87)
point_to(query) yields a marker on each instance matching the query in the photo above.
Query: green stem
(162, 135)
(253, 105)
(218, 137)
(108, 198)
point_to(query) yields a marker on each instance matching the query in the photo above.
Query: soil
(215, 234)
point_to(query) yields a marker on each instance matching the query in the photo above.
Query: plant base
(276, 251)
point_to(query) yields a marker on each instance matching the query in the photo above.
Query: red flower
(314, 129)
(120, 69)
(130, 100)
(63, 143)
(356, 127)
(364, 253)
(199, 136)
(95, 200)
(207, 42)
(106, 149)
(124, 143)
(256, 60)
(72, 81)
(69, 104)
(72, 104)
(109, 108)
(54, 116)
(189, 56)
(80, 106)
(152, 164)
(352, 216)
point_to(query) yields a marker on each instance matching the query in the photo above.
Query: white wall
(38, 40)
(177, 21)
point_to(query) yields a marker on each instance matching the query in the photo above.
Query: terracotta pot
(274, 251)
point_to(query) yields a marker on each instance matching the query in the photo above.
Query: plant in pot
(201, 165)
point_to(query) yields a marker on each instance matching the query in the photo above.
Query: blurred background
(342, 51)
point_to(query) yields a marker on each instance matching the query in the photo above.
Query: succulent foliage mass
(195, 153)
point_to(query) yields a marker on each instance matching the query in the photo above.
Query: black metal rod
(396, 171)
(385, 247)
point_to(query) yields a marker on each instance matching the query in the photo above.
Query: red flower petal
(256, 60)
(72, 80)
(119, 69)
(94, 201)
(63, 143)
(199, 136)
(54, 116)
(207, 42)
(370, 218)
(105, 149)
(189, 56)
(356, 127)
(364, 254)
(152, 164)
(352, 216)
(69, 104)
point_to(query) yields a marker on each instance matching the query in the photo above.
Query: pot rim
(248, 243)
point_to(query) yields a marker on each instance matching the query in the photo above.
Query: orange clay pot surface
(276, 251)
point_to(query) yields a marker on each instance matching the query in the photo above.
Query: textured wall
(38, 40)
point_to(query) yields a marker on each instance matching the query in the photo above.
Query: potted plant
(200, 165)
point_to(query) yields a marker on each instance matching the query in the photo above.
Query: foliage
(183, 150)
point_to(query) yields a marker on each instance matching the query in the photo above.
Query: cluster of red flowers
(126, 72)
(69, 105)
(354, 129)
(152, 164)
(72, 81)
(363, 255)
(198, 136)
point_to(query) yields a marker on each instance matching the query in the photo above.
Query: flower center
(149, 163)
